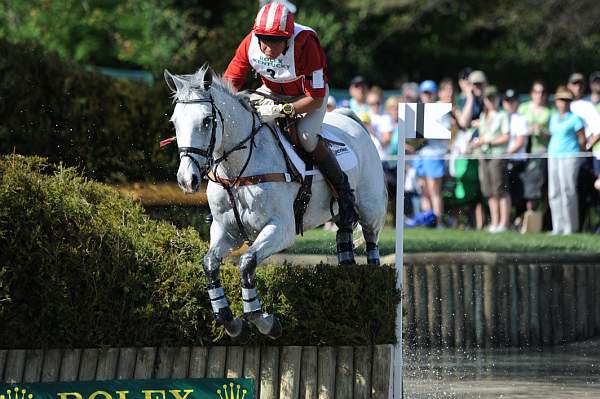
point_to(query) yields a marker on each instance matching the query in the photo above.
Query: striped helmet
(274, 19)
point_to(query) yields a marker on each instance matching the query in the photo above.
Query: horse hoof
(244, 335)
(347, 261)
(236, 328)
(276, 329)
(267, 324)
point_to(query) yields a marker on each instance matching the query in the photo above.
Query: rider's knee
(308, 141)
(248, 270)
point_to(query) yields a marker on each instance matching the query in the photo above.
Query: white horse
(218, 132)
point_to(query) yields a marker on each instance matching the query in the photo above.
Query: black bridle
(208, 153)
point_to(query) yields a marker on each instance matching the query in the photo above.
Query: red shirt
(308, 58)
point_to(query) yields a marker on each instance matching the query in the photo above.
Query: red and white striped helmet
(274, 19)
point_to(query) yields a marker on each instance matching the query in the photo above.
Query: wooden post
(546, 305)
(363, 363)
(459, 306)
(252, 367)
(51, 366)
(446, 306)
(15, 365)
(3, 354)
(409, 305)
(433, 309)
(469, 301)
(107, 364)
(489, 304)
(422, 332)
(590, 300)
(567, 302)
(269, 372)
(596, 307)
(344, 376)
(89, 363)
(217, 355)
(514, 299)
(557, 313)
(181, 362)
(524, 307)
(69, 367)
(502, 311)
(308, 373)
(581, 288)
(326, 372)
(382, 373)
(165, 362)
(198, 360)
(535, 332)
(33, 365)
(479, 311)
(126, 365)
(234, 366)
(144, 363)
(291, 361)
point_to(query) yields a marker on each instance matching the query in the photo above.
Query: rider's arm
(307, 104)
(313, 65)
(239, 66)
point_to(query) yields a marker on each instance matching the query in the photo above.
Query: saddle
(299, 163)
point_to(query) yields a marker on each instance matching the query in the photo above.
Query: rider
(292, 65)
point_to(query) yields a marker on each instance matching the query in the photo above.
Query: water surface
(569, 371)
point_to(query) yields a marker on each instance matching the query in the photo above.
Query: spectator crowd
(529, 165)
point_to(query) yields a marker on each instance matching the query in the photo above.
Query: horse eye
(206, 122)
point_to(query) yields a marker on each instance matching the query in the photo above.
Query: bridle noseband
(208, 152)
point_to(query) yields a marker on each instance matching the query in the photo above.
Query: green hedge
(109, 127)
(84, 266)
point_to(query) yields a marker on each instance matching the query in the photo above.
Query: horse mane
(194, 84)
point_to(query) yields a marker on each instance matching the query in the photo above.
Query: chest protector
(281, 69)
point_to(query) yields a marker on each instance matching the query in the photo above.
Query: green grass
(454, 240)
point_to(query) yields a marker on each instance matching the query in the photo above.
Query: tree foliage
(388, 40)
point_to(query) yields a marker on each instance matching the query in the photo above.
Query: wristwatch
(288, 109)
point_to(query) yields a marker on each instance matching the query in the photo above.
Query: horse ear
(208, 78)
(174, 82)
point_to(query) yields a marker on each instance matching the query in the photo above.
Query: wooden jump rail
(292, 372)
(490, 300)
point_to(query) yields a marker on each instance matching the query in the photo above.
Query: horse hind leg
(372, 223)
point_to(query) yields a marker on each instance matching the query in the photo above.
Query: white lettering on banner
(424, 120)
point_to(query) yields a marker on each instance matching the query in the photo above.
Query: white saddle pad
(344, 154)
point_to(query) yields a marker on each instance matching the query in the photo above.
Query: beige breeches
(309, 125)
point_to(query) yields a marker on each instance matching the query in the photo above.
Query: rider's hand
(270, 112)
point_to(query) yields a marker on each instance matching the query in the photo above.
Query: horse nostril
(194, 180)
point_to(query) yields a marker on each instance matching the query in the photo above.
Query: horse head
(198, 125)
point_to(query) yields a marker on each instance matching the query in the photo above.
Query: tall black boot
(327, 163)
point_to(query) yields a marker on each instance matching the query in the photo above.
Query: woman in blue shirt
(567, 138)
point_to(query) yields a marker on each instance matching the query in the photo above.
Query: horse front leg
(221, 244)
(274, 237)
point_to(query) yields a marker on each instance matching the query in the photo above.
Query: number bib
(281, 69)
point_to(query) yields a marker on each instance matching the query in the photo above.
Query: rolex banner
(206, 388)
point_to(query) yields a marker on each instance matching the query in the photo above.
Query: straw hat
(562, 93)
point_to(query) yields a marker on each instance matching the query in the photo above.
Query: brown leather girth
(251, 180)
